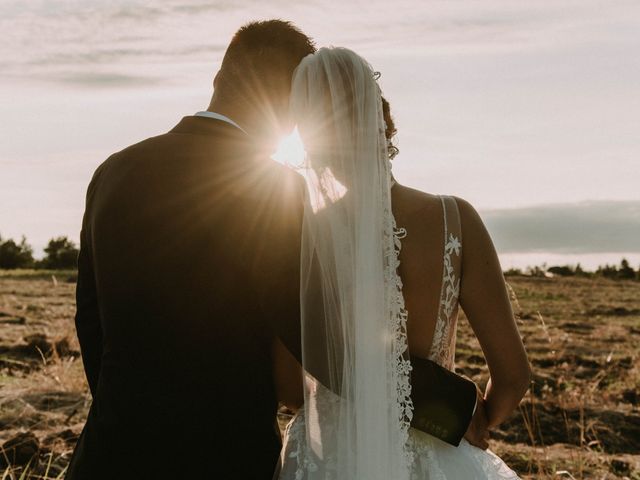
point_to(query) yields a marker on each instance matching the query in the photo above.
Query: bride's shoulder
(476, 240)
(410, 201)
(469, 216)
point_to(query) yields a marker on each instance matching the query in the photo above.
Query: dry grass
(580, 419)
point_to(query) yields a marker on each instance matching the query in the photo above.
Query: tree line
(623, 271)
(60, 254)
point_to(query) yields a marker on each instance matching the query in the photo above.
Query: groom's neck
(247, 117)
(231, 111)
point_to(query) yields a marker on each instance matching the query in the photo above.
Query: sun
(290, 150)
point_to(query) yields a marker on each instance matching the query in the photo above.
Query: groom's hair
(262, 57)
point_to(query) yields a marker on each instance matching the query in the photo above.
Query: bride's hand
(478, 431)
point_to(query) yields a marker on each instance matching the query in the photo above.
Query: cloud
(586, 227)
(177, 32)
(104, 79)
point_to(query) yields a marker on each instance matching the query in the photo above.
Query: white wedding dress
(432, 459)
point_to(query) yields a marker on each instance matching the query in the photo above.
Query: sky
(529, 111)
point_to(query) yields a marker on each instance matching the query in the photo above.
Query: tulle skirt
(437, 460)
(432, 459)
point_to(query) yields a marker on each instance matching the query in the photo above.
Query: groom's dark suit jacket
(188, 269)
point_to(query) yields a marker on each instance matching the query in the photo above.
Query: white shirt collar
(218, 116)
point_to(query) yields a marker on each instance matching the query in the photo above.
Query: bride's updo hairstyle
(329, 89)
(390, 129)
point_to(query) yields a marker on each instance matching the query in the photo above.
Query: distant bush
(607, 271)
(563, 271)
(625, 271)
(61, 253)
(579, 272)
(569, 271)
(537, 271)
(15, 255)
(513, 272)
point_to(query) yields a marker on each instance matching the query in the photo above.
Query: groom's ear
(215, 79)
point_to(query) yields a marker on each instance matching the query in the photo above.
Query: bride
(384, 268)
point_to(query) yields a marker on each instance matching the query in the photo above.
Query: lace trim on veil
(404, 404)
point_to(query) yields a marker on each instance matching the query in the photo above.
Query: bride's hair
(322, 132)
(390, 129)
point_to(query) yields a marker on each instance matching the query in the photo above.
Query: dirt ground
(580, 419)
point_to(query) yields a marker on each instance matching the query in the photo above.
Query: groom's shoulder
(157, 142)
(133, 150)
(277, 196)
(149, 147)
(122, 157)
(273, 182)
(289, 181)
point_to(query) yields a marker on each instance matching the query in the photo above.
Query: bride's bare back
(421, 263)
(483, 294)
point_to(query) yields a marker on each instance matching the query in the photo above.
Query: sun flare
(290, 150)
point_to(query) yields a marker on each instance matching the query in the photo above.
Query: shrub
(513, 272)
(580, 272)
(563, 271)
(625, 271)
(537, 271)
(15, 255)
(60, 253)
(607, 271)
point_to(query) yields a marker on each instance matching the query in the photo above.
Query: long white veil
(354, 347)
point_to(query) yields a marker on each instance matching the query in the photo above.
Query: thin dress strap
(452, 223)
(443, 346)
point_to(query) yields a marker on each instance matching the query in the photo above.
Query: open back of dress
(432, 458)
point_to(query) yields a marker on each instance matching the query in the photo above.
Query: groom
(188, 273)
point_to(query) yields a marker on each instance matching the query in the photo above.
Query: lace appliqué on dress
(297, 449)
(444, 336)
(295, 435)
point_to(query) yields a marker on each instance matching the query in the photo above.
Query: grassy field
(581, 418)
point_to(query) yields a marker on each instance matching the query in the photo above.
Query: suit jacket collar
(196, 125)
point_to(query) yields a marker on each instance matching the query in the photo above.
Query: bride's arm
(485, 301)
(287, 375)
